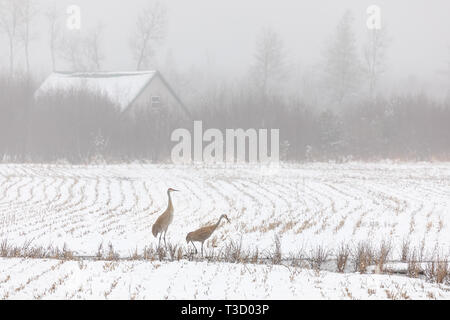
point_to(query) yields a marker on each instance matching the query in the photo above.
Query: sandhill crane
(203, 234)
(164, 220)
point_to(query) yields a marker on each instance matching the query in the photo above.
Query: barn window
(156, 101)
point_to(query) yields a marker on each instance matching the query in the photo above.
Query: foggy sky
(221, 33)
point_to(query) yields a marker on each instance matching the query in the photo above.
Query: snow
(51, 279)
(306, 206)
(120, 87)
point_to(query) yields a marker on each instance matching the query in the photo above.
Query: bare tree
(342, 66)
(54, 31)
(72, 50)
(375, 57)
(29, 13)
(93, 52)
(269, 64)
(82, 51)
(445, 72)
(11, 18)
(448, 73)
(150, 32)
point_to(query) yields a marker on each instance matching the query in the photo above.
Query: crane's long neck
(218, 223)
(170, 205)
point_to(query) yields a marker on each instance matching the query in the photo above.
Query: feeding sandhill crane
(203, 234)
(164, 220)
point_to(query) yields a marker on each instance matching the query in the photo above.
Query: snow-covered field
(304, 205)
(52, 279)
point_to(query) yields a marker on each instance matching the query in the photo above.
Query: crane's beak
(175, 190)
(227, 219)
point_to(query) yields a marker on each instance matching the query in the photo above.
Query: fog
(221, 34)
(336, 89)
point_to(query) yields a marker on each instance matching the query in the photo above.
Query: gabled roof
(122, 88)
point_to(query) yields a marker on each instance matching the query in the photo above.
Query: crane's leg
(159, 242)
(194, 247)
(202, 249)
(165, 244)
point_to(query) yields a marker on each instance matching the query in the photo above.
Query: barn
(130, 91)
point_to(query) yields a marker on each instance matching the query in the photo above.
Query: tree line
(82, 127)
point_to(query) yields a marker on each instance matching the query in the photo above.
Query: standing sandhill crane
(203, 234)
(164, 220)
